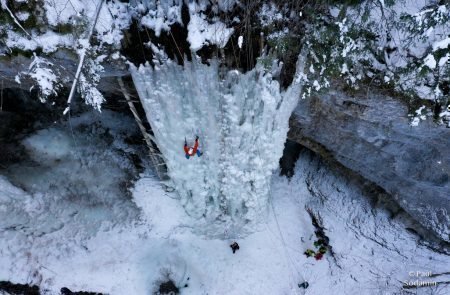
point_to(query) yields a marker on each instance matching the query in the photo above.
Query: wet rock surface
(371, 135)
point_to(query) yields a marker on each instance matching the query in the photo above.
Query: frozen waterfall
(242, 122)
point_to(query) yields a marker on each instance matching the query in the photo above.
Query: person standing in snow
(191, 151)
(234, 247)
(318, 256)
(304, 285)
(309, 253)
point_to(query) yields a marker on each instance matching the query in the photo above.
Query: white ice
(242, 122)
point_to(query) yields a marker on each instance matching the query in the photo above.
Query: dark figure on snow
(191, 151)
(318, 256)
(234, 247)
(309, 253)
(320, 242)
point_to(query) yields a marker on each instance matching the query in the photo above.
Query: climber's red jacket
(194, 149)
(318, 256)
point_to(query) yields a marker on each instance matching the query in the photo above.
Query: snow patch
(420, 116)
(430, 62)
(49, 144)
(201, 33)
(443, 44)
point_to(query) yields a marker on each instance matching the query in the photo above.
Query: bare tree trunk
(5, 6)
(82, 57)
(1, 102)
(261, 44)
(155, 157)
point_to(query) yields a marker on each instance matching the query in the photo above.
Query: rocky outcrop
(18, 289)
(371, 135)
(22, 289)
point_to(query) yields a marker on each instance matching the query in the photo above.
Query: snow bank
(372, 251)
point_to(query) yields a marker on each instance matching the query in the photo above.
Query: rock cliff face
(64, 62)
(371, 135)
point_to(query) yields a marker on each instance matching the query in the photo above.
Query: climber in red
(318, 256)
(191, 151)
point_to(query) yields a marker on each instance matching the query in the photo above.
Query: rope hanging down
(284, 242)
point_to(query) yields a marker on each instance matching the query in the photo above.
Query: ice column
(242, 122)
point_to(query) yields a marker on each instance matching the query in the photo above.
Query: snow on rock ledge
(201, 33)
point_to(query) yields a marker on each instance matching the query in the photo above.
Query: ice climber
(191, 151)
(318, 256)
(234, 247)
(309, 253)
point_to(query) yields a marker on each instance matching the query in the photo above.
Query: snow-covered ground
(102, 240)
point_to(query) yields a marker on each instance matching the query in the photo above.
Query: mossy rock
(26, 53)
(64, 28)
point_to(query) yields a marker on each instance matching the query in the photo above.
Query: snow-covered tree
(46, 76)
(44, 29)
(395, 43)
(429, 28)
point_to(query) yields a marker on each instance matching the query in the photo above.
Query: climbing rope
(291, 273)
(284, 241)
(77, 149)
(179, 51)
(286, 253)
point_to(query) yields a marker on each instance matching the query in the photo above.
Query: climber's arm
(195, 146)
